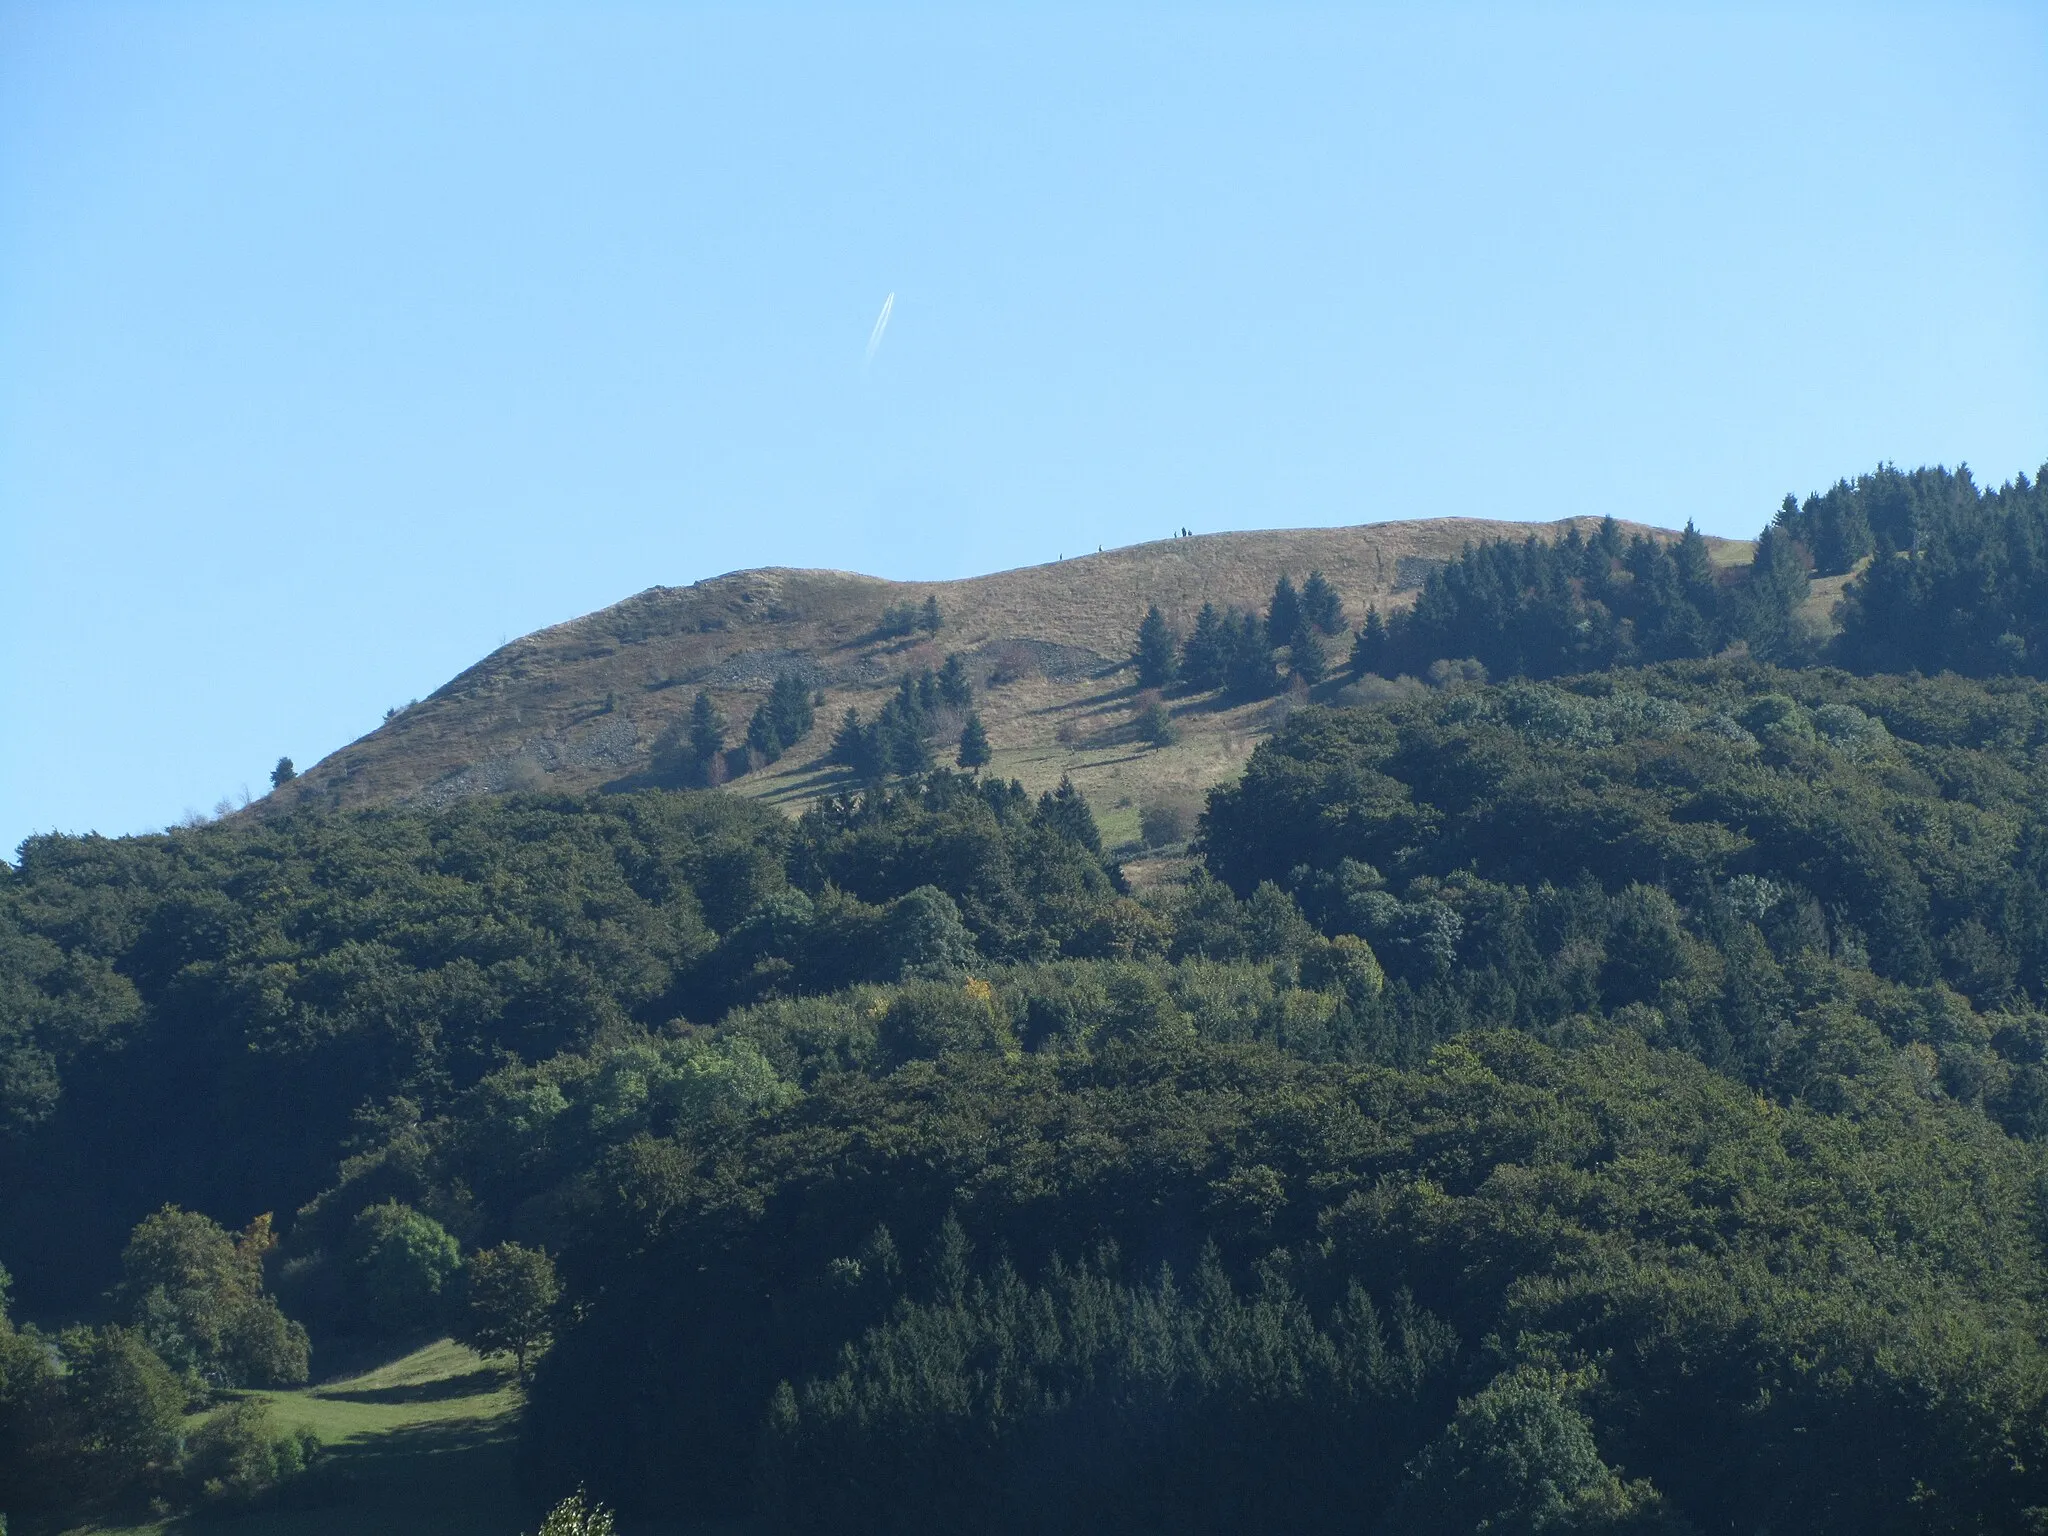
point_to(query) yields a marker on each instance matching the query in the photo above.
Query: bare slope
(582, 704)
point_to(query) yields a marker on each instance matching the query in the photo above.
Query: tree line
(1948, 579)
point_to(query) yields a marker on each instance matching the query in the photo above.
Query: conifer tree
(930, 620)
(974, 752)
(283, 773)
(1283, 617)
(1321, 605)
(1248, 669)
(1066, 812)
(956, 690)
(857, 746)
(1306, 658)
(789, 708)
(762, 734)
(1156, 655)
(1369, 646)
(707, 729)
(1201, 659)
(1695, 567)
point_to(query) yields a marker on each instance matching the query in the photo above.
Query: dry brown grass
(533, 713)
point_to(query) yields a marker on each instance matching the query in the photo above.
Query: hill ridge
(583, 702)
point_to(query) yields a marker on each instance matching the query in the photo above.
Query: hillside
(1053, 640)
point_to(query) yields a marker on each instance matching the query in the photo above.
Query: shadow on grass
(476, 1383)
(455, 1478)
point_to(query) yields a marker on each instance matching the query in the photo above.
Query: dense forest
(1948, 578)
(1612, 1096)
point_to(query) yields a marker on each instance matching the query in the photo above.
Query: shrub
(577, 1515)
(400, 1262)
(238, 1453)
(1161, 822)
(1155, 724)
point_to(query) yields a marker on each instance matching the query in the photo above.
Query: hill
(1602, 1089)
(583, 704)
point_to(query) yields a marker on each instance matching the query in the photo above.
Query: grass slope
(583, 704)
(420, 1445)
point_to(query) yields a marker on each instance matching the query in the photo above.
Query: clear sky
(340, 342)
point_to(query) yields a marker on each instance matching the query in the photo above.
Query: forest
(1602, 1089)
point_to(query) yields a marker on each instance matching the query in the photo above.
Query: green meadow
(420, 1444)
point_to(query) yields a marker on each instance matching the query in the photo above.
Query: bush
(238, 1453)
(1155, 725)
(400, 1263)
(1161, 822)
(577, 1515)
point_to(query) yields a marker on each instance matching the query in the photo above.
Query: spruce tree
(857, 746)
(1284, 616)
(1201, 659)
(762, 735)
(707, 730)
(1306, 658)
(929, 620)
(1369, 647)
(789, 708)
(1248, 669)
(1066, 812)
(974, 751)
(1156, 655)
(1321, 605)
(903, 740)
(955, 688)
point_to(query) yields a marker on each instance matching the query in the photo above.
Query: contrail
(881, 325)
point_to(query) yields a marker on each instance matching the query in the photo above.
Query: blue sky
(340, 342)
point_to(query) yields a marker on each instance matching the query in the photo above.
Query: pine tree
(1321, 605)
(1306, 658)
(1776, 587)
(707, 729)
(762, 735)
(1156, 655)
(789, 708)
(1201, 659)
(283, 773)
(974, 751)
(1369, 648)
(1248, 668)
(929, 620)
(1066, 812)
(1284, 616)
(955, 688)
(853, 744)
(903, 740)
(1696, 568)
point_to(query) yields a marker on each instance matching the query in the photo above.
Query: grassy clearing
(420, 1445)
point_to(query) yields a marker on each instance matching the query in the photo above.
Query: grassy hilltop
(1048, 647)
